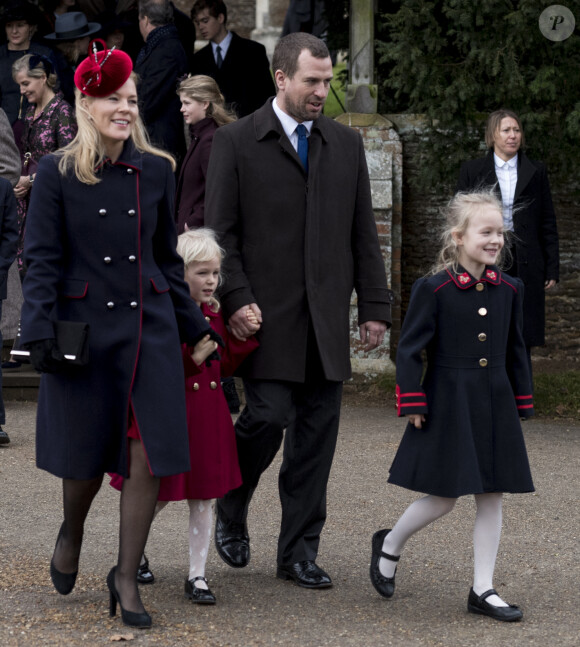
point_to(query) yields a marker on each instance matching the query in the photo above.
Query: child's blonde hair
(200, 246)
(203, 88)
(458, 214)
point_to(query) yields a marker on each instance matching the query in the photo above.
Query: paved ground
(537, 566)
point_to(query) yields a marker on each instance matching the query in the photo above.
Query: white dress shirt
(224, 45)
(289, 124)
(507, 175)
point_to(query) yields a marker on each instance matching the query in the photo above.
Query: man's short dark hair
(291, 46)
(215, 8)
(159, 12)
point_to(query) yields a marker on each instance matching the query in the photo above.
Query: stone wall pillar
(384, 154)
(269, 20)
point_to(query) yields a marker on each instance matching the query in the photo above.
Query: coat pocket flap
(75, 288)
(159, 283)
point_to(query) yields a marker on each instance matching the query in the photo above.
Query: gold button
(196, 386)
(483, 362)
(207, 318)
(479, 287)
(212, 385)
(482, 311)
(482, 336)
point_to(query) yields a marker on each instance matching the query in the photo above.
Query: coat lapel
(526, 171)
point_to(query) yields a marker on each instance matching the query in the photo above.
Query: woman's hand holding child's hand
(203, 349)
(416, 419)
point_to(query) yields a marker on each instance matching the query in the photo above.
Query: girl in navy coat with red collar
(464, 434)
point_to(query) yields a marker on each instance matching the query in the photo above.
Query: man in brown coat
(293, 211)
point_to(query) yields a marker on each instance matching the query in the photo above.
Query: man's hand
(241, 322)
(372, 334)
(549, 284)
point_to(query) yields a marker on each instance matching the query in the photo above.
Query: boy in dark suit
(240, 66)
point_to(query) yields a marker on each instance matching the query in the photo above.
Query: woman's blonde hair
(86, 152)
(203, 88)
(458, 214)
(22, 64)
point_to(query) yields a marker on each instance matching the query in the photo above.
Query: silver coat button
(107, 259)
(132, 258)
(131, 212)
(130, 171)
(483, 362)
(482, 336)
(482, 312)
(110, 305)
(134, 304)
(102, 212)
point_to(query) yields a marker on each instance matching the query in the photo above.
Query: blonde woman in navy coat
(464, 434)
(101, 248)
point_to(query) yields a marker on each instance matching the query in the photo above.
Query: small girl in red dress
(212, 442)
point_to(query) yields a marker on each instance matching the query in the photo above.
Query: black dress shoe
(477, 604)
(384, 585)
(231, 540)
(4, 437)
(144, 573)
(197, 595)
(306, 574)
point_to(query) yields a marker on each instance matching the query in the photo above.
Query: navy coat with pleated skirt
(475, 389)
(106, 254)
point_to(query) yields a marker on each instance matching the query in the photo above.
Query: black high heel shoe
(384, 585)
(130, 618)
(64, 583)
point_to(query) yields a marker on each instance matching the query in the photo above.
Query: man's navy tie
(219, 59)
(302, 145)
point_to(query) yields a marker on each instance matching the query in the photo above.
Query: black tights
(138, 499)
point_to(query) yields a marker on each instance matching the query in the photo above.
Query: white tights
(200, 529)
(486, 535)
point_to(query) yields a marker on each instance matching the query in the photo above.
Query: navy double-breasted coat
(106, 254)
(475, 389)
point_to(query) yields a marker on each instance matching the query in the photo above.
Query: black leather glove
(45, 355)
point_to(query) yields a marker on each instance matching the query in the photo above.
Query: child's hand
(252, 318)
(416, 419)
(203, 349)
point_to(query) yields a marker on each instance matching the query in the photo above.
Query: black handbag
(72, 339)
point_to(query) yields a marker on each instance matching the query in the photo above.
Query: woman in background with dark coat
(101, 249)
(522, 184)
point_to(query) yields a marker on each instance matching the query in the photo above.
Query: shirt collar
(224, 45)
(288, 123)
(512, 163)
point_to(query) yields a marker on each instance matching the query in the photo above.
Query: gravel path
(537, 566)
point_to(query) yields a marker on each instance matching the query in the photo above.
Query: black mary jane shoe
(197, 595)
(384, 585)
(306, 574)
(477, 604)
(130, 618)
(64, 583)
(144, 573)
